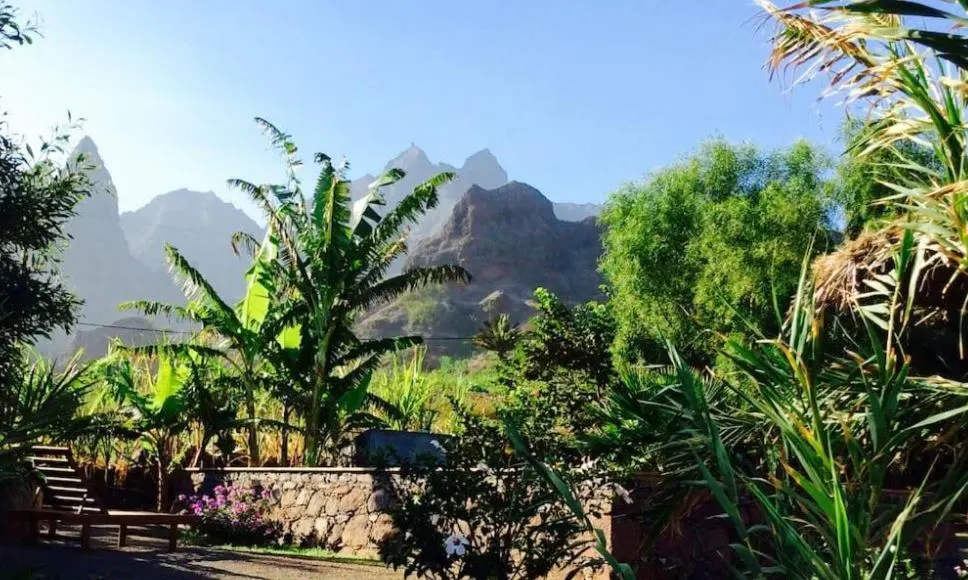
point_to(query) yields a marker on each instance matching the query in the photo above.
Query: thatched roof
(839, 276)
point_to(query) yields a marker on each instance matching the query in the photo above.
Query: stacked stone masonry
(338, 509)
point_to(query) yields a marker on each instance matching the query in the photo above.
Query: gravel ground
(146, 559)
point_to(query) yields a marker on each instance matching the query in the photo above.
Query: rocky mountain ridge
(483, 222)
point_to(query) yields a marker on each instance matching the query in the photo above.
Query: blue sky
(573, 97)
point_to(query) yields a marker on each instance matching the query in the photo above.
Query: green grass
(297, 552)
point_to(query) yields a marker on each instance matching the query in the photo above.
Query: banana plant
(332, 258)
(234, 336)
(153, 397)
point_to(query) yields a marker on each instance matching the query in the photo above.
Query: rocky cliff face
(510, 241)
(481, 168)
(200, 225)
(506, 234)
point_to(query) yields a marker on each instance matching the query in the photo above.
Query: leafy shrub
(486, 515)
(234, 516)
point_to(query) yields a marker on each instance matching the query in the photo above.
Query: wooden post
(122, 535)
(172, 537)
(33, 530)
(86, 536)
(51, 528)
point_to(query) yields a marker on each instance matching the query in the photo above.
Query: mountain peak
(87, 147)
(482, 156)
(191, 195)
(410, 159)
(483, 169)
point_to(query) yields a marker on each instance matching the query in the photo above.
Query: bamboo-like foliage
(406, 395)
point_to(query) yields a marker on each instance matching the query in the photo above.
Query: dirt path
(145, 559)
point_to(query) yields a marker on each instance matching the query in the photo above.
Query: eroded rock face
(511, 242)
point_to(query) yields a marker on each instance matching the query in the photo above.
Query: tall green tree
(38, 196)
(710, 241)
(332, 257)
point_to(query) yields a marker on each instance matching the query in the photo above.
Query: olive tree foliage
(715, 242)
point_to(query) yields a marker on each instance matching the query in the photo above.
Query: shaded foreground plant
(506, 520)
(44, 406)
(849, 428)
(571, 501)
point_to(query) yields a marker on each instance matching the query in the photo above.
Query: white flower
(456, 545)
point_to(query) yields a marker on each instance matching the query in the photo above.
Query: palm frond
(410, 280)
(194, 283)
(245, 242)
(155, 308)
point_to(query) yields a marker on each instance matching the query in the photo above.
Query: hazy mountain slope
(130, 331)
(200, 225)
(97, 262)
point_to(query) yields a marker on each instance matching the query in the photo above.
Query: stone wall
(344, 510)
(341, 509)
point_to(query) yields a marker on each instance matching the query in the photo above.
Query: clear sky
(573, 97)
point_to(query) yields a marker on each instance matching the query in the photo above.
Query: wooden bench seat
(122, 519)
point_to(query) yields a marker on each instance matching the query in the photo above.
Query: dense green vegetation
(694, 253)
(782, 329)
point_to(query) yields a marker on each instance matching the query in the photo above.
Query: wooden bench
(67, 497)
(122, 519)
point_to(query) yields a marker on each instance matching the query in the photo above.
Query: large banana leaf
(258, 292)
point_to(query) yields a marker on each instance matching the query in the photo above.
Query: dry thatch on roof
(839, 277)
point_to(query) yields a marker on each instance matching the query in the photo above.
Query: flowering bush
(234, 515)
